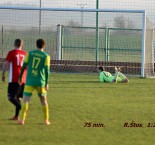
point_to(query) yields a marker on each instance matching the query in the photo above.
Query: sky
(144, 4)
(148, 5)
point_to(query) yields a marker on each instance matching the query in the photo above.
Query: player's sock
(116, 69)
(18, 108)
(17, 112)
(116, 75)
(45, 112)
(15, 102)
(24, 111)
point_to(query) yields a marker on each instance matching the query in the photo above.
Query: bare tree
(119, 21)
(72, 27)
(73, 24)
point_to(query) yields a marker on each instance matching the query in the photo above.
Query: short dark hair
(17, 43)
(101, 68)
(40, 43)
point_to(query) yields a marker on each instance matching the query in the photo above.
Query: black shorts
(15, 90)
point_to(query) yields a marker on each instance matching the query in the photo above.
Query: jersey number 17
(20, 59)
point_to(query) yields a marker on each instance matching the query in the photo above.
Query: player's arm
(6, 65)
(4, 68)
(24, 66)
(47, 70)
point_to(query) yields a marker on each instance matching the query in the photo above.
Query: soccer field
(84, 111)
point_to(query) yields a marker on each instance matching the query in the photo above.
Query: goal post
(106, 37)
(59, 42)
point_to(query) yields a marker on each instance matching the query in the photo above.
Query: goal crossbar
(71, 9)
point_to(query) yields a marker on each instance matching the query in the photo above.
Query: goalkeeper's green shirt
(38, 63)
(106, 77)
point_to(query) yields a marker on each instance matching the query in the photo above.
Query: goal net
(149, 52)
(79, 40)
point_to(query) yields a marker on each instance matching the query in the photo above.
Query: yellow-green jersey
(38, 68)
(106, 77)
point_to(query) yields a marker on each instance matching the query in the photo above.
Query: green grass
(78, 99)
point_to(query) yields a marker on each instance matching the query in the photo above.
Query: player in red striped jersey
(14, 61)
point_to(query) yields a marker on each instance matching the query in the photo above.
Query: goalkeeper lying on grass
(108, 77)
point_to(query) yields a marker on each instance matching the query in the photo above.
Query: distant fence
(70, 66)
(114, 44)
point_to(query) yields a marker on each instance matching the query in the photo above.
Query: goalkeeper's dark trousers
(16, 103)
(14, 92)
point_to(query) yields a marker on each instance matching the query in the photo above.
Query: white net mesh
(89, 38)
(149, 52)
